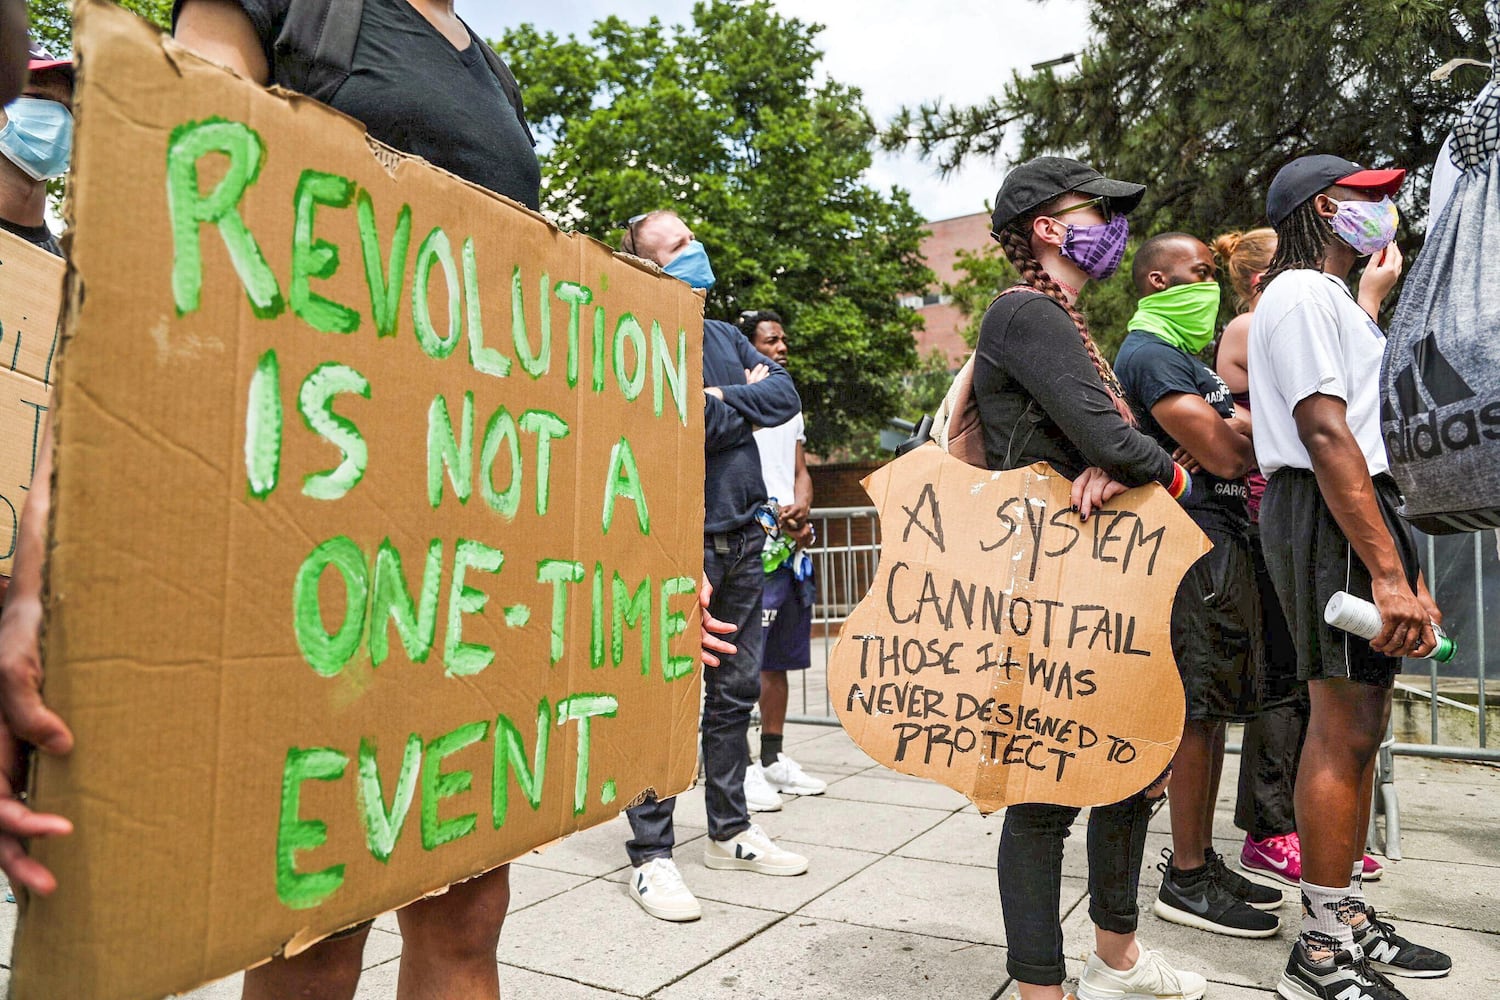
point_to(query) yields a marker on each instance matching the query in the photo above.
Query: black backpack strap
(315, 50)
(508, 84)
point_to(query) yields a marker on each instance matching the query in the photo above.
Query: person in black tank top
(420, 83)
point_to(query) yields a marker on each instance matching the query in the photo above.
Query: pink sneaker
(1373, 870)
(1278, 858)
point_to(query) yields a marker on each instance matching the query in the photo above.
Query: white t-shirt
(778, 458)
(1308, 336)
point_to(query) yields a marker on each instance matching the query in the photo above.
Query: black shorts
(1216, 632)
(1309, 560)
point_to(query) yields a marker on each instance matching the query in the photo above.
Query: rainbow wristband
(1182, 483)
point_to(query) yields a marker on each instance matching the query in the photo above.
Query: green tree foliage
(52, 20)
(1204, 101)
(728, 121)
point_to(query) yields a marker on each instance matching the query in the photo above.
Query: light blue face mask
(38, 137)
(693, 267)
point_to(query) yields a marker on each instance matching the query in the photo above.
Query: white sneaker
(657, 885)
(752, 851)
(786, 776)
(759, 795)
(1151, 979)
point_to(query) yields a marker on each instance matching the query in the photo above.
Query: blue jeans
(1030, 870)
(731, 561)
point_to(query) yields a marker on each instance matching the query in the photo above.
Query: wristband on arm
(1182, 483)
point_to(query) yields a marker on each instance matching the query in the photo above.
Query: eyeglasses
(1091, 203)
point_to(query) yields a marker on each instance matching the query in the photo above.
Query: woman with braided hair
(1046, 394)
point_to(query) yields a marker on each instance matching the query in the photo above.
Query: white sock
(1326, 915)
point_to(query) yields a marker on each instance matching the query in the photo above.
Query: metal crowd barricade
(1463, 572)
(844, 559)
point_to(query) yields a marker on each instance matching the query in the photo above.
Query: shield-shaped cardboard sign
(1009, 649)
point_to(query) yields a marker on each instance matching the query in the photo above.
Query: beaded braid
(1015, 241)
(1302, 241)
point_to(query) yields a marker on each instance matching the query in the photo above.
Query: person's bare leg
(774, 694)
(1344, 730)
(1118, 951)
(329, 970)
(1216, 763)
(1030, 992)
(1192, 799)
(448, 941)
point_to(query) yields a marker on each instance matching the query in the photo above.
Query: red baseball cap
(41, 60)
(1307, 175)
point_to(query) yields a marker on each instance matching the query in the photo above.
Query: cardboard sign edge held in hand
(986, 792)
(38, 972)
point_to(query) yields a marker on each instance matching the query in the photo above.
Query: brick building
(941, 319)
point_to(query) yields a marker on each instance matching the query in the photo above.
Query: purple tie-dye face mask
(1098, 249)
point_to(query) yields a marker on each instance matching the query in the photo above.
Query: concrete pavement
(901, 901)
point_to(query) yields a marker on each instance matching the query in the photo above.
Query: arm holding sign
(24, 719)
(1039, 347)
(221, 31)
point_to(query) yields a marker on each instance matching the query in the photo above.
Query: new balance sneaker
(752, 851)
(1278, 858)
(1198, 899)
(1151, 979)
(657, 885)
(1262, 897)
(788, 778)
(759, 795)
(1372, 869)
(1392, 954)
(1322, 973)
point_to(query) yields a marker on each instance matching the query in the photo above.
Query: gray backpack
(1440, 381)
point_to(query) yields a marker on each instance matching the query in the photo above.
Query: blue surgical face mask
(38, 137)
(693, 267)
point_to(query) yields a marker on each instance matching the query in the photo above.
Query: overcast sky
(896, 51)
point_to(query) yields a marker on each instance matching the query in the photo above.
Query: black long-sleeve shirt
(733, 487)
(1041, 400)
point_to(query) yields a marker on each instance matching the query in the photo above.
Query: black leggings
(1030, 871)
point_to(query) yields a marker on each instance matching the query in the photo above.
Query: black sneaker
(1338, 976)
(1262, 897)
(1198, 899)
(1392, 954)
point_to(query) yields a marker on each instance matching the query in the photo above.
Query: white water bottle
(1358, 616)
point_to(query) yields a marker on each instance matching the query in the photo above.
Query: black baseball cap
(1308, 175)
(1038, 181)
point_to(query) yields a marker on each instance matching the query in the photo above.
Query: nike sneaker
(1197, 899)
(1262, 897)
(1278, 858)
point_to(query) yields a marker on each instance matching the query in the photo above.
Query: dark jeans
(1273, 739)
(1030, 868)
(731, 562)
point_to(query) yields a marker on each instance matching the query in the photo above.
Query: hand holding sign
(1008, 649)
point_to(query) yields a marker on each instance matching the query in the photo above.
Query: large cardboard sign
(1008, 649)
(30, 299)
(378, 518)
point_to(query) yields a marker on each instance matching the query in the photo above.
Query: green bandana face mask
(1183, 315)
